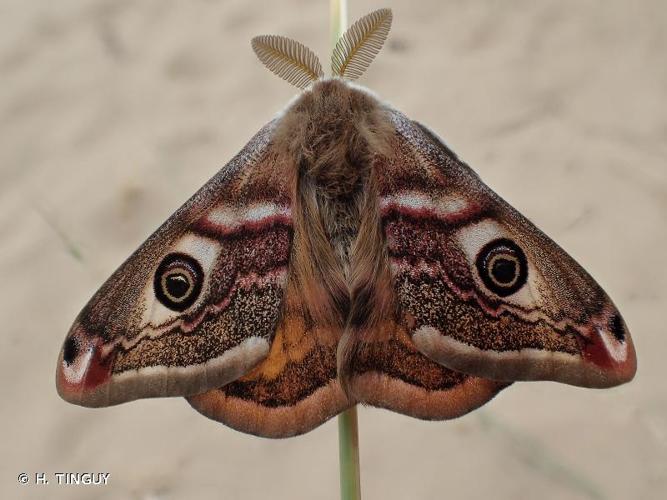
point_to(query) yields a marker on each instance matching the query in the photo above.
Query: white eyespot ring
(178, 281)
(502, 267)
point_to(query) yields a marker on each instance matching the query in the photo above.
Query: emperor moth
(346, 255)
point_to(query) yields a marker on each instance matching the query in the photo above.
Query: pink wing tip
(611, 350)
(82, 370)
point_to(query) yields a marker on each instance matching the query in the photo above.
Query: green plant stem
(348, 428)
(348, 440)
(337, 20)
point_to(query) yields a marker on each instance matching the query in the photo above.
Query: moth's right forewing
(197, 305)
(378, 358)
(488, 293)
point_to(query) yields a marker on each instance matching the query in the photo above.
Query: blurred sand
(113, 112)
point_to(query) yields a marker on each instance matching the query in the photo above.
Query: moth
(346, 255)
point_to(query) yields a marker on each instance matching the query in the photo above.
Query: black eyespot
(502, 266)
(70, 350)
(178, 281)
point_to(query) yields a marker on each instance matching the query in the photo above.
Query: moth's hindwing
(484, 291)
(197, 305)
(294, 390)
(391, 373)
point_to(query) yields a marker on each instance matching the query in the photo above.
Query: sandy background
(113, 112)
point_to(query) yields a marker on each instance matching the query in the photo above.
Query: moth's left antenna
(289, 59)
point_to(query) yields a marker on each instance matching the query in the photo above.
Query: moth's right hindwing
(197, 305)
(389, 372)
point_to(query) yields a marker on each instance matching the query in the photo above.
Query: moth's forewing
(484, 290)
(196, 306)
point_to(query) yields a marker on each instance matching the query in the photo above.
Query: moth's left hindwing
(197, 305)
(293, 390)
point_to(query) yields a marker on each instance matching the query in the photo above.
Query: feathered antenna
(289, 59)
(353, 53)
(357, 48)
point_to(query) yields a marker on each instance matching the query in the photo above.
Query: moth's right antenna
(289, 59)
(357, 48)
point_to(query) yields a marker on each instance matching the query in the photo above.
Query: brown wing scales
(294, 390)
(196, 306)
(345, 255)
(490, 294)
(392, 374)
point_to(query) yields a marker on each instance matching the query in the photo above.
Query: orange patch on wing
(290, 344)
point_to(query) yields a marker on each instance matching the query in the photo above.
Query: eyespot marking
(178, 281)
(502, 266)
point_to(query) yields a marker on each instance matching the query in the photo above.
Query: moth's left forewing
(196, 306)
(488, 293)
